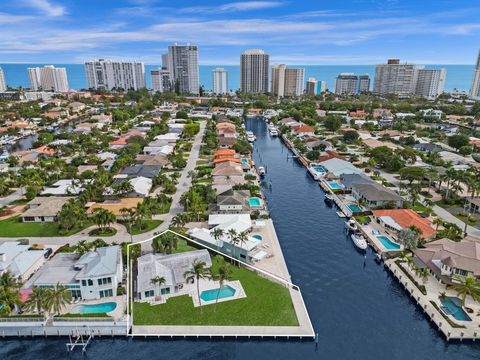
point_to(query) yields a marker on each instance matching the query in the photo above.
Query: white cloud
(47, 7)
(234, 6)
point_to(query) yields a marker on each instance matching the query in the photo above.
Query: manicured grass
(14, 227)
(146, 227)
(103, 232)
(267, 304)
(183, 246)
(362, 219)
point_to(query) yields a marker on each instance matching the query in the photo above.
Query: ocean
(459, 77)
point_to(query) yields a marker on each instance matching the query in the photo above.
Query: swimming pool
(387, 243)
(254, 202)
(97, 308)
(223, 293)
(453, 306)
(257, 237)
(244, 161)
(354, 208)
(320, 169)
(334, 185)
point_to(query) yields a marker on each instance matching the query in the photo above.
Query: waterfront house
(348, 180)
(231, 202)
(399, 219)
(337, 167)
(228, 168)
(374, 195)
(449, 260)
(226, 142)
(95, 275)
(171, 268)
(44, 209)
(222, 155)
(330, 154)
(303, 130)
(19, 261)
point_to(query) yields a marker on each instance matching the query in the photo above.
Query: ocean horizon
(459, 77)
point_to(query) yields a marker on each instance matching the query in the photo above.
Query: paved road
(184, 184)
(17, 194)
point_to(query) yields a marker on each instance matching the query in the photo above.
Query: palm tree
(222, 274)
(103, 218)
(82, 247)
(198, 271)
(232, 234)
(217, 234)
(242, 239)
(56, 299)
(7, 279)
(158, 281)
(36, 300)
(467, 285)
(9, 298)
(437, 221)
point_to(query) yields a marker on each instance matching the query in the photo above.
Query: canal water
(357, 308)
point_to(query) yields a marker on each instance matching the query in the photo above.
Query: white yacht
(359, 241)
(251, 136)
(261, 170)
(350, 225)
(273, 131)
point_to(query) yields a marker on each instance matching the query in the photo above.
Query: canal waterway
(358, 309)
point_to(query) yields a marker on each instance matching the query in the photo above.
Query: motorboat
(316, 170)
(378, 258)
(328, 197)
(359, 241)
(273, 131)
(251, 136)
(261, 171)
(351, 225)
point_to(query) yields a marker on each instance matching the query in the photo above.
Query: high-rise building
(161, 80)
(183, 67)
(254, 65)
(115, 75)
(220, 81)
(312, 86)
(363, 84)
(287, 81)
(48, 78)
(165, 61)
(396, 78)
(475, 89)
(430, 83)
(322, 85)
(3, 83)
(346, 83)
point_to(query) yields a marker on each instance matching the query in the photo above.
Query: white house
(18, 260)
(95, 275)
(44, 209)
(171, 268)
(64, 187)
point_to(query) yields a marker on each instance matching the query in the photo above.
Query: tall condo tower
(183, 67)
(254, 71)
(220, 81)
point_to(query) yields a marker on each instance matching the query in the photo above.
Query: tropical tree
(103, 218)
(158, 281)
(82, 247)
(37, 300)
(56, 299)
(217, 234)
(408, 238)
(222, 274)
(198, 271)
(9, 298)
(467, 286)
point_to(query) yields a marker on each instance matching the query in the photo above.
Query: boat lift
(81, 340)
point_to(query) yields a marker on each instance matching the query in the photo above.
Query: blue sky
(292, 32)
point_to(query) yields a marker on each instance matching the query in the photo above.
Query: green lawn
(146, 227)
(267, 304)
(14, 227)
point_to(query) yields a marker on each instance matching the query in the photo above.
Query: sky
(322, 32)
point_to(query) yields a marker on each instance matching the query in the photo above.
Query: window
(164, 291)
(84, 282)
(149, 293)
(106, 293)
(76, 294)
(104, 281)
(90, 282)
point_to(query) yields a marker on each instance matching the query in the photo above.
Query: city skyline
(361, 32)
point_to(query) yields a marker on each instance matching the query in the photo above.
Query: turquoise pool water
(244, 161)
(389, 244)
(97, 308)
(224, 292)
(453, 306)
(354, 208)
(334, 185)
(320, 169)
(258, 237)
(254, 201)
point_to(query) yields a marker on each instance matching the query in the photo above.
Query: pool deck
(433, 289)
